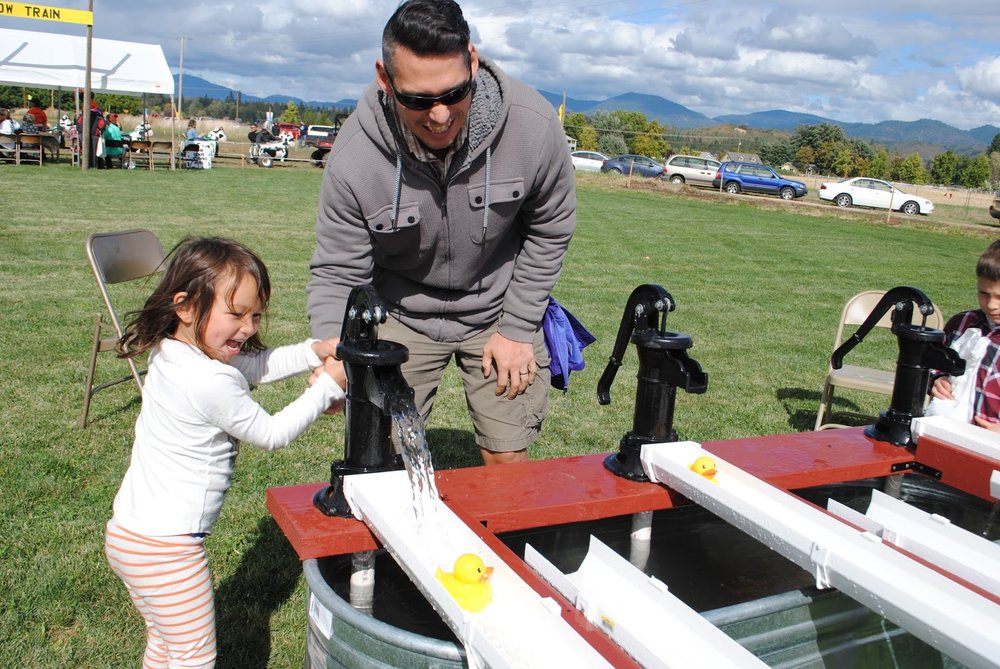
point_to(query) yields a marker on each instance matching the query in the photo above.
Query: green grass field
(758, 285)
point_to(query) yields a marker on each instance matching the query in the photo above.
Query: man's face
(429, 76)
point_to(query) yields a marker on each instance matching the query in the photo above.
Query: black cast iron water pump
(374, 382)
(664, 366)
(921, 350)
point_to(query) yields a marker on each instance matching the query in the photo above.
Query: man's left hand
(514, 362)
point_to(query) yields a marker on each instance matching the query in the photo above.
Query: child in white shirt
(201, 328)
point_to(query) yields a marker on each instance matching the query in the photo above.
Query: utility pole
(180, 80)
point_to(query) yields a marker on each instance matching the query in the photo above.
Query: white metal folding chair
(117, 257)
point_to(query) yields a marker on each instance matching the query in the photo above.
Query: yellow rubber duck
(706, 467)
(468, 584)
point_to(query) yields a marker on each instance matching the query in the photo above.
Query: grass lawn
(759, 285)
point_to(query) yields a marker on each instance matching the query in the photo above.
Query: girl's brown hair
(198, 267)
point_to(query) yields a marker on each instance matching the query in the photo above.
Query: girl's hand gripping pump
(664, 366)
(921, 350)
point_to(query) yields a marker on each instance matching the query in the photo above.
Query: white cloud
(853, 60)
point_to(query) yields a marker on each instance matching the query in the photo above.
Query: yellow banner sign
(25, 11)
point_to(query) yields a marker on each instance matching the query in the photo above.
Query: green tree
(573, 125)
(994, 145)
(994, 160)
(777, 153)
(587, 139)
(944, 168)
(612, 144)
(879, 166)
(804, 157)
(911, 170)
(843, 162)
(650, 142)
(976, 174)
(291, 113)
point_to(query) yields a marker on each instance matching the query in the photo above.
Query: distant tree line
(822, 148)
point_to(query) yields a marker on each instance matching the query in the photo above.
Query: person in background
(451, 190)
(192, 131)
(302, 135)
(97, 125)
(41, 118)
(200, 327)
(28, 126)
(8, 131)
(986, 319)
(113, 145)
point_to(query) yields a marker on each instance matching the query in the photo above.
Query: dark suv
(735, 177)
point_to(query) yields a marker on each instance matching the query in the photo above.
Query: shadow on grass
(453, 449)
(842, 411)
(245, 601)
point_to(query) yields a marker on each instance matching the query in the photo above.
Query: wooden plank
(576, 489)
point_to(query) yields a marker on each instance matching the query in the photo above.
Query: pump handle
(901, 299)
(646, 303)
(363, 314)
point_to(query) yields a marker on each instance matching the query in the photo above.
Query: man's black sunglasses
(425, 102)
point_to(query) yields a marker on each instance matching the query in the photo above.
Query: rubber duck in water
(469, 583)
(706, 467)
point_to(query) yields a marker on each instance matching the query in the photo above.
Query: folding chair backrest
(117, 257)
(859, 307)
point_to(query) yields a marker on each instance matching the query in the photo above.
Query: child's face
(989, 298)
(228, 325)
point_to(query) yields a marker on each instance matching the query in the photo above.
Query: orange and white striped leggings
(170, 583)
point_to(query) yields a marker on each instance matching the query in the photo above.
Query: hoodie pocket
(399, 244)
(505, 199)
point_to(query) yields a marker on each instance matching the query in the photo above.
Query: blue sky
(851, 60)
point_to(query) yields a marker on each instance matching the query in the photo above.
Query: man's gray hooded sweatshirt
(448, 258)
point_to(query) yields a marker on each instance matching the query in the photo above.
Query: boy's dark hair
(988, 266)
(427, 28)
(198, 267)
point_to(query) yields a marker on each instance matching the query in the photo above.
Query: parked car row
(743, 177)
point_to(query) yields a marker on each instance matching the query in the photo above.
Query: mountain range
(926, 136)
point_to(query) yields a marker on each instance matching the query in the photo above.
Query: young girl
(200, 326)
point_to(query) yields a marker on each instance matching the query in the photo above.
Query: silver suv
(693, 170)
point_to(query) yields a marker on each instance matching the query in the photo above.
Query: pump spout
(375, 388)
(664, 366)
(921, 350)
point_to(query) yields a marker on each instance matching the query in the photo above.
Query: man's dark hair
(427, 28)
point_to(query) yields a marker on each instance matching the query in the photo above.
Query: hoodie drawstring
(486, 195)
(396, 190)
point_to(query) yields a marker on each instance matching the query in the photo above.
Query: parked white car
(588, 161)
(868, 192)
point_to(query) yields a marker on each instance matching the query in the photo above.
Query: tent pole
(85, 129)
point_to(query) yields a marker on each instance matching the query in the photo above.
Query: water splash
(417, 459)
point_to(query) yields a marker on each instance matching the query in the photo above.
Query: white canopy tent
(48, 60)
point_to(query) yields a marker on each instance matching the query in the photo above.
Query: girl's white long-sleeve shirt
(195, 412)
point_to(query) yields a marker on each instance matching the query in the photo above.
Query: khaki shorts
(501, 424)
